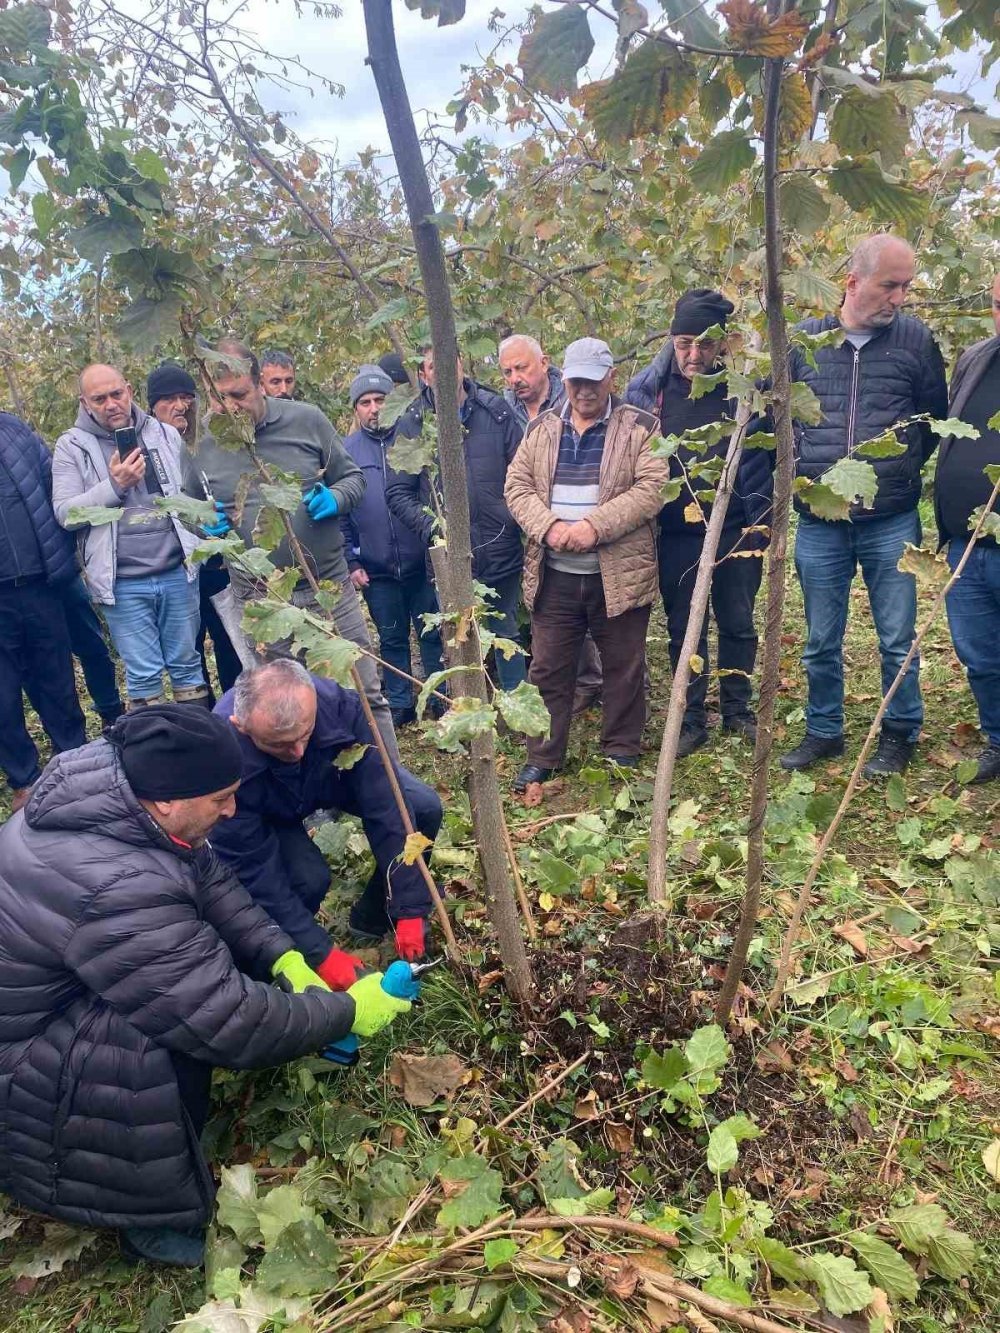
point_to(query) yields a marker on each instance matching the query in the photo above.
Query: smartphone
(126, 441)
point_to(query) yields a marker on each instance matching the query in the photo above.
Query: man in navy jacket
(386, 558)
(292, 728)
(36, 559)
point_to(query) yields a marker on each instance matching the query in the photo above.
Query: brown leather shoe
(19, 799)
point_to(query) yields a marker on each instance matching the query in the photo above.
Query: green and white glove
(374, 1008)
(293, 973)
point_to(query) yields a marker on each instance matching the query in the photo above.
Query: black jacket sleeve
(931, 394)
(254, 939)
(406, 494)
(145, 946)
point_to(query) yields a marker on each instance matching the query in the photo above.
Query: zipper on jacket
(852, 408)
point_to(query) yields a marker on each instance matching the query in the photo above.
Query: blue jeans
(502, 620)
(154, 626)
(395, 604)
(86, 634)
(974, 620)
(827, 556)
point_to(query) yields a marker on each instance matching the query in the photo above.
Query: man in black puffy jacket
(887, 370)
(131, 962)
(491, 439)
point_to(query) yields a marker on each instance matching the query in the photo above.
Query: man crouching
(131, 962)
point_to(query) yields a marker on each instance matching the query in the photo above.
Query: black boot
(892, 756)
(531, 773)
(692, 738)
(163, 1245)
(811, 749)
(989, 764)
(744, 726)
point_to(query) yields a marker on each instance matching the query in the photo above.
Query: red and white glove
(410, 938)
(339, 969)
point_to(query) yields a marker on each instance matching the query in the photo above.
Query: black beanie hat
(392, 364)
(698, 310)
(174, 751)
(166, 380)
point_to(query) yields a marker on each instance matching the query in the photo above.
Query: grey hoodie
(128, 548)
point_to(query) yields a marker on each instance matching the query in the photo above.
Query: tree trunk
(456, 587)
(663, 786)
(783, 477)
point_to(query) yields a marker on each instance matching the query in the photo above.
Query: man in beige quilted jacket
(585, 487)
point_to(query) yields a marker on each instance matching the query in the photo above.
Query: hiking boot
(892, 756)
(531, 773)
(163, 1245)
(402, 717)
(989, 764)
(691, 739)
(623, 760)
(745, 727)
(811, 749)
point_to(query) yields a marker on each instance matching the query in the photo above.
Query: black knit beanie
(392, 364)
(698, 310)
(166, 380)
(171, 752)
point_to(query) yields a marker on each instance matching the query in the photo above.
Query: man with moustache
(277, 374)
(585, 488)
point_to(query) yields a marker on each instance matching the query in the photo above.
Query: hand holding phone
(126, 466)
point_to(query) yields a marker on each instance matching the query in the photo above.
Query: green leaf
(723, 1151)
(499, 1252)
(812, 289)
(852, 480)
(725, 1289)
(664, 1071)
(780, 1258)
(151, 165)
(804, 206)
(433, 683)
(302, 1262)
(952, 1254)
(147, 324)
(652, 89)
(557, 1175)
(95, 515)
(479, 1201)
(693, 23)
(465, 719)
(279, 1209)
(286, 496)
(842, 1285)
(523, 709)
(722, 161)
(895, 794)
(392, 312)
(61, 1246)
(45, 210)
(185, 507)
(445, 11)
(953, 426)
(555, 50)
(268, 622)
(862, 124)
(103, 236)
(916, 1226)
(887, 1266)
(930, 568)
(804, 404)
(820, 500)
(326, 653)
(236, 1203)
(350, 756)
(706, 1049)
(17, 167)
(24, 26)
(984, 130)
(411, 456)
(886, 445)
(865, 187)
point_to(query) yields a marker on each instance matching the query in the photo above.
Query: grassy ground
(877, 1089)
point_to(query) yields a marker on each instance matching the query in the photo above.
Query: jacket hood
(662, 364)
(84, 791)
(85, 422)
(555, 391)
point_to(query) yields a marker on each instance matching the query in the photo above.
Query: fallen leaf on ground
(422, 1079)
(621, 1137)
(585, 1107)
(489, 979)
(878, 1308)
(846, 1070)
(855, 937)
(570, 1320)
(775, 1059)
(662, 1312)
(621, 1278)
(532, 794)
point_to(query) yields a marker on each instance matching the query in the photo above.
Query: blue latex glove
(320, 501)
(222, 524)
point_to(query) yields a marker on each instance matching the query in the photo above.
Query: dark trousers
(567, 606)
(214, 578)
(35, 658)
(86, 636)
(734, 587)
(395, 605)
(309, 874)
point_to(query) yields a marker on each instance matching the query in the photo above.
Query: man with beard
(137, 569)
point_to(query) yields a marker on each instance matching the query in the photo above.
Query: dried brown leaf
(750, 29)
(423, 1079)
(855, 937)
